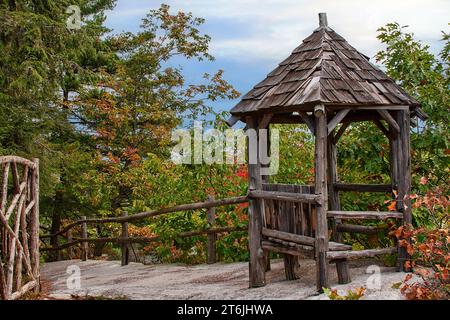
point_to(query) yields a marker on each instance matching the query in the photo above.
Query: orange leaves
(423, 181)
(392, 206)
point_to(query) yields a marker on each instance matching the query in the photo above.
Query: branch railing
(125, 240)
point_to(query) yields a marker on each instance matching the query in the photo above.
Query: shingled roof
(324, 69)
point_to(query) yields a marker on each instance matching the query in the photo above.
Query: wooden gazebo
(326, 84)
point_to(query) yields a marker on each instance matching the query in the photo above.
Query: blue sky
(250, 37)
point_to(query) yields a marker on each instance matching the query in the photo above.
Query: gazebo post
(334, 204)
(404, 183)
(266, 179)
(255, 210)
(320, 160)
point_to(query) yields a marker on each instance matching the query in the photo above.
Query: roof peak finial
(323, 21)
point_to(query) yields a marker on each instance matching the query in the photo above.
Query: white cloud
(278, 26)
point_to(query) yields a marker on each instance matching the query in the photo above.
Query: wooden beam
(264, 122)
(309, 121)
(257, 265)
(337, 119)
(290, 237)
(306, 252)
(390, 120)
(232, 121)
(377, 215)
(357, 254)
(320, 187)
(285, 196)
(383, 188)
(354, 228)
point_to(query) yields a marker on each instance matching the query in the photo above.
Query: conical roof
(324, 69)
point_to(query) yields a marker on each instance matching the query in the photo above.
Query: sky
(250, 37)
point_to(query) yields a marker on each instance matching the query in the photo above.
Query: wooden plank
(357, 254)
(306, 252)
(255, 213)
(378, 215)
(286, 236)
(383, 188)
(337, 119)
(390, 120)
(353, 228)
(212, 237)
(320, 184)
(18, 160)
(285, 196)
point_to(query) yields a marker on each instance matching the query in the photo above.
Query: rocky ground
(107, 279)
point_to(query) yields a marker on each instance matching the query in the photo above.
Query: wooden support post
(124, 245)
(212, 237)
(320, 160)
(404, 182)
(266, 179)
(255, 212)
(69, 240)
(334, 204)
(84, 244)
(34, 225)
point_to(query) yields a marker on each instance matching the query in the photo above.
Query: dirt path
(218, 281)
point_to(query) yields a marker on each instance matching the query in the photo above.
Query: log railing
(19, 227)
(124, 240)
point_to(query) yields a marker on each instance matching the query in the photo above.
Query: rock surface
(217, 281)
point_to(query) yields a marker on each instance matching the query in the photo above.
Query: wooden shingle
(324, 69)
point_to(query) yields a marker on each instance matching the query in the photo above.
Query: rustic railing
(19, 227)
(124, 240)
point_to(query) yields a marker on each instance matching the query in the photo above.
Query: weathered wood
(357, 254)
(353, 228)
(390, 120)
(265, 121)
(320, 185)
(143, 240)
(124, 245)
(154, 213)
(342, 267)
(340, 115)
(285, 196)
(255, 213)
(212, 237)
(34, 221)
(84, 244)
(404, 183)
(309, 121)
(27, 287)
(291, 237)
(383, 188)
(298, 250)
(15, 200)
(18, 160)
(377, 215)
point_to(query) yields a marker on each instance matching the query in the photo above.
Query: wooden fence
(19, 227)
(125, 240)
